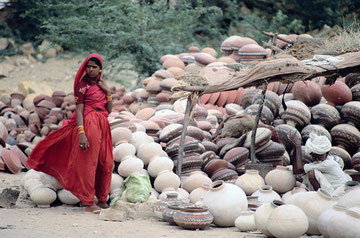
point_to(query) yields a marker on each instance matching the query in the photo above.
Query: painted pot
(191, 217)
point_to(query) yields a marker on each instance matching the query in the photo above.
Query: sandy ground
(26, 220)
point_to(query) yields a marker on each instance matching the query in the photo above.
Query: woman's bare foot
(102, 205)
(93, 209)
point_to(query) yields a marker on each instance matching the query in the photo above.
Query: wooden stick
(270, 34)
(182, 138)
(256, 123)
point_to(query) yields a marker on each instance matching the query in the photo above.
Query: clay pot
(341, 156)
(169, 212)
(198, 194)
(116, 182)
(350, 228)
(281, 179)
(272, 101)
(123, 150)
(11, 161)
(266, 115)
(266, 194)
(139, 137)
(166, 179)
(121, 135)
(355, 161)
(225, 175)
(250, 181)
(43, 196)
(221, 204)
(287, 221)
(50, 181)
(158, 164)
(283, 132)
(148, 150)
(313, 204)
(263, 136)
(326, 115)
(351, 197)
(262, 215)
(296, 114)
(250, 52)
(317, 129)
(248, 96)
(195, 180)
(337, 94)
(355, 90)
(272, 151)
(238, 156)
(130, 165)
(351, 112)
(204, 59)
(171, 198)
(246, 221)
(346, 136)
(292, 192)
(66, 197)
(325, 219)
(191, 217)
(3, 134)
(307, 92)
(212, 165)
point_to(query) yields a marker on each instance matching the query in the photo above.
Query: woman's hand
(83, 142)
(102, 84)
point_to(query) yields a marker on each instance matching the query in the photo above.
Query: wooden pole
(182, 138)
(256, 123)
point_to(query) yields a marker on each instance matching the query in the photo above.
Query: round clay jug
(67, 197)
(250, 181)
(325, 219)
(307, 92)
(169, 212)
(198, 194)
(296, 113)
(317, 129)
(222, 205)
(283, 132)
(351, 112)
(246, 221)
(266, 194)
(262, 215)
(116, 181)
(326, 115)
(292, 192)
(337, 94)
(281, 179)
(139, 137)
(313, 204)
(50, 181)
(351, 197)
(346, 224)
(43, 196)
(195, 180)
(121, 135)
(266, 115)
(166, 179)
(158, 164)
(148, 151)
(272, 101)
(346, 136)
(193, 217)
(248, 96)
(122, 150)
(160, 206)
(130, 165)
(287, 221)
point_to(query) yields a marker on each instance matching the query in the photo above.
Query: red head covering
(81, 72)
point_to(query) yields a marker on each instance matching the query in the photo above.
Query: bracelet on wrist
(81, 132)
(109, 98)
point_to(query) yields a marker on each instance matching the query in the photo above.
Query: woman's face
(92, 69)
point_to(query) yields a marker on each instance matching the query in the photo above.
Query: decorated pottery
(326, 115)
(296, 113)
(341, 156)
(238, 156)
(221, 204)
(263, 136)
(317, 129)
(250, 182)
(351, 112)
(224, 175)
(266, 194)
(169, 212)
(250, 52)
(246, 221)
(346, 136)
(272, 101)
(192, 217)
(283, 132)
(248, 96)
(266, 115)
(160, 206)
(273, 150)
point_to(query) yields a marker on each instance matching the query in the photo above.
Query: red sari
(84, 173)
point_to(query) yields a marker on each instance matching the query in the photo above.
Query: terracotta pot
(351, 112)
(283, 132)
(195, 180)
(225, 175)
(266, 115)
(166, 179)
(221, 204)
(346, 136)
(130, 165)
(169, 212)
(248, 96)
(337, 94)
(238, 156)
(122, 150)
(191, 217)
(326, 115)
(250, 52)
(212, 165)
(12, 161)
(158, 164)
(307, 92)
(272, 101)
(121, 135)
(171, 199)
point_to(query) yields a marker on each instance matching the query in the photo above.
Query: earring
(100, 70)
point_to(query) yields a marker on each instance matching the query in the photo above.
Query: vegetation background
(141, 31)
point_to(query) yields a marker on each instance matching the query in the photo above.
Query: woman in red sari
(79, 154)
